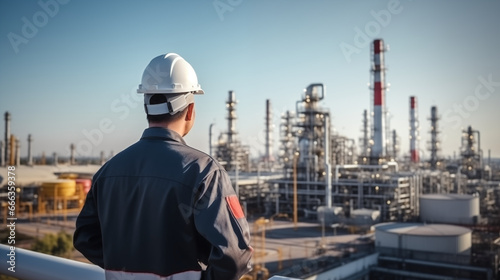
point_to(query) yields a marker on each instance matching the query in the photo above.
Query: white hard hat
(173, 77)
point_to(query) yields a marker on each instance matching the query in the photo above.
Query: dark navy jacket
(163, 207)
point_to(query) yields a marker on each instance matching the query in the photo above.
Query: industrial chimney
(18, 153)
(378, 150)
(414, 149)
(2, 151)
(30, 155)
(365, 139)
(72, 154)
(7, 138)
(231, 117)
(269, 131)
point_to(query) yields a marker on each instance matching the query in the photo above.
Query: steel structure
(310, 131)
(30, 154)
(414, 137)
(471, 154)
(287, 142)
(305, 152)
(229, 151)
(364, 140)
(268, 156)
(395, 145)
(434, 148)
(6, 154)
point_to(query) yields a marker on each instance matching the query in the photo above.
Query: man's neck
(174, 126)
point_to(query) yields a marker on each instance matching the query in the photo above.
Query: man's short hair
(158, 99)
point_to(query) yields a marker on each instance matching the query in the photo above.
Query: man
(161, 209)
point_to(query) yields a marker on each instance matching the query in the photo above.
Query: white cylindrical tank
(435, 238)
(449, 208)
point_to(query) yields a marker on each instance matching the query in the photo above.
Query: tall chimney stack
(231, 117)
(7, 138)
(72, 154)
(269, 132)
(18, 153)
(414, 149)
(2, 151)
(30, 155)
(378, 150)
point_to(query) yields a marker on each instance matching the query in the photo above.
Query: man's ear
(189, 114)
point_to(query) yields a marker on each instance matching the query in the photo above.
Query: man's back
(161, 206)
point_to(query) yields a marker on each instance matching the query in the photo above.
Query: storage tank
(58, 188)
(447, 242)
(449, 208)
(364, 216)
(329, 215)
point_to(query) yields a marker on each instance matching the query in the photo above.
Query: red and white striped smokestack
(414, 130)
(379, 119)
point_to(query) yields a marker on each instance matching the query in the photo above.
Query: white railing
(29, 265)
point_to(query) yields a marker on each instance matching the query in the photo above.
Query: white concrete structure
(449, 208)
(435, 238)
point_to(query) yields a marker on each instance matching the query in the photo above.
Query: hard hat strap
(173, 105)
(180, 102)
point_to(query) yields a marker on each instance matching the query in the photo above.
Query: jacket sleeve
(220, 220)
(87, 238)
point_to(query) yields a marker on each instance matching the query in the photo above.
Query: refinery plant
(409, 218)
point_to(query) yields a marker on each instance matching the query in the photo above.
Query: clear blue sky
(69, 69)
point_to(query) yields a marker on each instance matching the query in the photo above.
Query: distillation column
(30, 155)
(287, 148)
(310, 127)
(269, 134)
(395, 144)
(365, 139)
(434, 144)
(7, 138)
(414, 149)
(72, 154)
(471, 153)
(231, 117)
(378, 150)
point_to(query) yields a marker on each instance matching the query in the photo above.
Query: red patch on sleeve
(235, 207)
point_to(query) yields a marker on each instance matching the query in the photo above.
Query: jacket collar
(160, 133)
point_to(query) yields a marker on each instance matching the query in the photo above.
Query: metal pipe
(350, 166)
(295, 202)
(328, 167)
(29, 265)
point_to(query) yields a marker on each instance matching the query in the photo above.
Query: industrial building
(229, 150)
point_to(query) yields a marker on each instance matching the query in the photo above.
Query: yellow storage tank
(59, 188)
